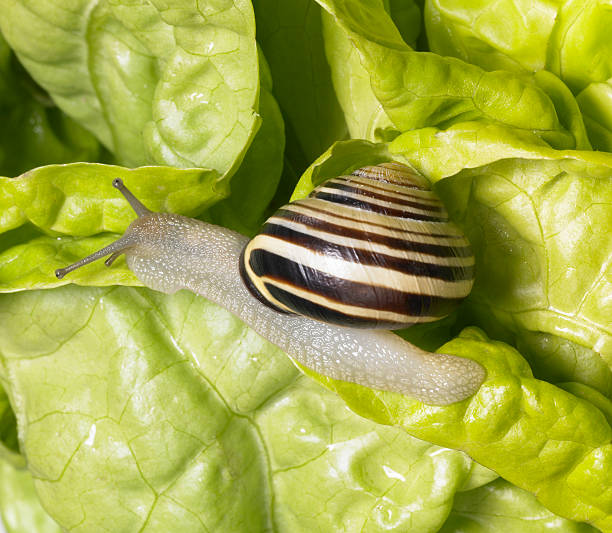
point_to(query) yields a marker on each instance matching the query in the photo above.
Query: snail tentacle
(115, 249)
(134, 202)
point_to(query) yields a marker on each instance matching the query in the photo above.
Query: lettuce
(126, 71)
(183, 414)
(20, 508)
(507, 509)
(34, 131)
(569, 39)
(290, 34)
(553, 208)
(418, 89)
(124, 409)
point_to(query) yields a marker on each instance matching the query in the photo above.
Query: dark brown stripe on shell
(326, 314)
(254, 290)
(348, 292)
(398, 176)
(438, 250)
(355, 189)
(365, 257)
(339, 198)
(302, 205)
(379, 186)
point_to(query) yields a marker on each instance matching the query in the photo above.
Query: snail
(363, 252)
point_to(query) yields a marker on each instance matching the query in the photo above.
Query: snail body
(170, 252)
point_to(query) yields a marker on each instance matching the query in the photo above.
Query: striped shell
(374, 249)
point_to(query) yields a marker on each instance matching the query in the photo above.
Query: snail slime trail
(371, 250)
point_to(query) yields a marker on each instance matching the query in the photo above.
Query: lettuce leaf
(9, 445)
(533, 434)
(529, 212)
(419, 89)
(20, 508)
(34, 131)
(54, 215)
(143, 408)
(365, 115)
(569, 39)
(291, 37)
(500, 506)
(128, 72)
(254, 183)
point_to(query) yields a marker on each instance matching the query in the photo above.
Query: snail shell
(374, 249)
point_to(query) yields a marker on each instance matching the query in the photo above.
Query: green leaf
(20, 508)
(157, 82)
(596, 105)
(473, 32)
(365, 116)
(530, 432)
(500, 506)
(591, 395)
(556, 359)
(569, 39)
(364, 113)
(291, 37)
(254, 184)
(407, 17)
(55, 215)
(538, 220)
(419, 89)
(9, 445)
(143, 410)
(35, 132)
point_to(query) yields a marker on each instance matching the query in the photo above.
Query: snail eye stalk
(115, 249)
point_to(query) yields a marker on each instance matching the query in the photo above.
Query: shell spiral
(374, 249)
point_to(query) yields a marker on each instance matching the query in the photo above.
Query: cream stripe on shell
(369, 246)
(351, 310)
(426, 197)
(371, 275)
(382, 203)
(261, 287)
(416, 230)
